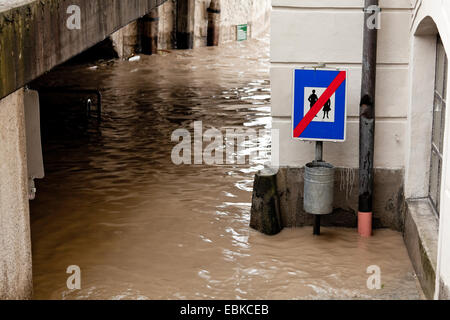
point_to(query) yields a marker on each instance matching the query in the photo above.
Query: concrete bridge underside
(34, 36)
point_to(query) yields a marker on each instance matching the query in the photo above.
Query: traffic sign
(320, 105)
(242, 32)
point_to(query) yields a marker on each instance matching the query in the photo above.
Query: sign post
(319, 114)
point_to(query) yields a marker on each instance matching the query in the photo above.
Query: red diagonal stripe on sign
(332, 88)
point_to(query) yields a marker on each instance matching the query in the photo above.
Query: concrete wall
(34, 36)
(255, 13)
(125, 40)
(15, 242)
(388, 199)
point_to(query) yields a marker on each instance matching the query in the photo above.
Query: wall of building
(431, 17)
(166, 25)
(405, 89)
(255, 13)
(337, 41)
(126, 40)
(15, 242)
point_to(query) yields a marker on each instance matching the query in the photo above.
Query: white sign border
(293, 104)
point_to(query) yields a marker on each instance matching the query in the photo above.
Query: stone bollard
(213, 23)
(265, 211)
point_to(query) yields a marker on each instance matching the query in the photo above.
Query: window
(439, 109)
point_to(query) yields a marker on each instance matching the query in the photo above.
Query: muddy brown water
(140, 227)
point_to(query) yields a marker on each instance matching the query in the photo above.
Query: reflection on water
(140, 227)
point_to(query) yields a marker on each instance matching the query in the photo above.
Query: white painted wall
(304, 32)
(439, 12)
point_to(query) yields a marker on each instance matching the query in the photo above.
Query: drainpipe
(367, 120)
(213, 23)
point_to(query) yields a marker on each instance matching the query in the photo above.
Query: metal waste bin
(318, 188)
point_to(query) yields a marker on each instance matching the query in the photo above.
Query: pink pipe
(365, 224)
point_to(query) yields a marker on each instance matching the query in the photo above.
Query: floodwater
(140, 227)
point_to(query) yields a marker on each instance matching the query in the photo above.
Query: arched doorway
(426, 152)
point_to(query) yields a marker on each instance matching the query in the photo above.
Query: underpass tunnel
(106, 124)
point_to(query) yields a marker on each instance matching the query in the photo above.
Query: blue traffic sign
(320, 105)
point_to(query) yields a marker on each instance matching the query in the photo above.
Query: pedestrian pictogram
(319, 111)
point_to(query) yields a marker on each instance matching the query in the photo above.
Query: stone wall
(166, 25)
(388, 199)
(255, 13)
(126, 40)
(430, 19)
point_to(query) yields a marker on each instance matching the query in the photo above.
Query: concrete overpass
(34, 38)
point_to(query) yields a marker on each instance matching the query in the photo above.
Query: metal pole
(319, 158)
(319, 151)
(367, 119)
(316, 230)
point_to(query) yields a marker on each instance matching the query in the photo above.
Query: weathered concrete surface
(34, 36)
(15, 242)
(255, 13)
(388, 199)
(166, 25)
(185, 24)
(421, 239)
(126, 41)
(265, 212)
(444, 291)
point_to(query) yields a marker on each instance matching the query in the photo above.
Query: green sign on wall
(242, 32)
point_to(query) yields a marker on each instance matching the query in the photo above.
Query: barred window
(439, 109)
